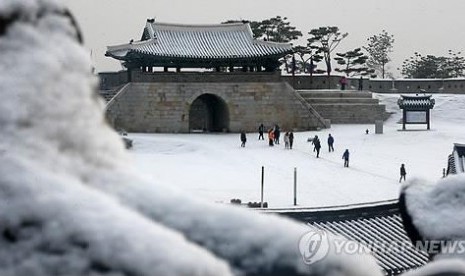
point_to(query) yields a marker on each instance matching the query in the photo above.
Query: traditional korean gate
(208, 113)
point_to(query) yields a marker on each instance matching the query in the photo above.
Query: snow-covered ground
(215, 167)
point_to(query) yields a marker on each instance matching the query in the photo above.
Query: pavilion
(416, 109)
(219, 47)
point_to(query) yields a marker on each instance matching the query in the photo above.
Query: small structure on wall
(416, 109)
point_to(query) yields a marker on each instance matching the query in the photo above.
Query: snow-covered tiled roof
(373, 226)
(417, 102)
(221, 41)
(456, 160)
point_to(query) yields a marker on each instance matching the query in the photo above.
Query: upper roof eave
(218, 41)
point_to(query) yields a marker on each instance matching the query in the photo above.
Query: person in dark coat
(343, 82)
(243, 139)
(345, 156)
(314, 141)
(330, 143)
(316, 146)
(277, 133)
(403, 172)
(291, 139)
(360, 83)
(261, 129)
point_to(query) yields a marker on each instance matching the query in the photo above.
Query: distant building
(214, 78)
(456, 160)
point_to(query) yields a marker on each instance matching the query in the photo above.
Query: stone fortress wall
(163, 102)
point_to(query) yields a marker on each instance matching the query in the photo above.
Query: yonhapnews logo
(313, 246)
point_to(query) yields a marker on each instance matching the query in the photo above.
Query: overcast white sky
(426, 26)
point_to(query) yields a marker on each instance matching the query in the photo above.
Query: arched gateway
(210, 113)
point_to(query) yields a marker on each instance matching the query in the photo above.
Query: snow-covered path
(216, 168)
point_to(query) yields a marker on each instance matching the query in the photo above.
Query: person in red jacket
(271, 137)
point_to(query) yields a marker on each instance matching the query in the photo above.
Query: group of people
(343, 81)
(274, 134)
(317, 146)
(273, 138)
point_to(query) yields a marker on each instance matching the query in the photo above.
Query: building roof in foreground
(456, 160)
(370, 225)
(221, 41)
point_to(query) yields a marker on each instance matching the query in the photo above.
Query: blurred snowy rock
(71, 205)
(434, 213)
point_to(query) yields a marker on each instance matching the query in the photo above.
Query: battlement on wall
(110, 80)
(400, 86)
(113, 79)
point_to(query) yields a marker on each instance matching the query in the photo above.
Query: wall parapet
(109, 80)
(449, 86)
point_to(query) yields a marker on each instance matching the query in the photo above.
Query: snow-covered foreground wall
(70, 202)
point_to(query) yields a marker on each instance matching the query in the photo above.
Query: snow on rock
(436, 210)
(72, 204)
(52, 224)
(440, 268)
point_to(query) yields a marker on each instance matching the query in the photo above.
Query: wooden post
(263, 181)
(295, 186)
(404, 118)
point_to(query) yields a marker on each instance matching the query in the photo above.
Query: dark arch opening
(208, 113)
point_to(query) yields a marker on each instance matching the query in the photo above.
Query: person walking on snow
(243, 139)
(261, 129)
(403, 172)
(286, 140)
(345, 156)
(291, 139)
(317, 146)
(277, 133)
(330, 143)
(271, 137)
(314, 141)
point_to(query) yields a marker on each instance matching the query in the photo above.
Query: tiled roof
(223, 41)
(416, 102)
(370, 225)
(456, 160)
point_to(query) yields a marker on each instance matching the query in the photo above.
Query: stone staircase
(345, 107)
(108, 94)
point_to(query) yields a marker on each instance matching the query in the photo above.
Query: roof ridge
(180, 26)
